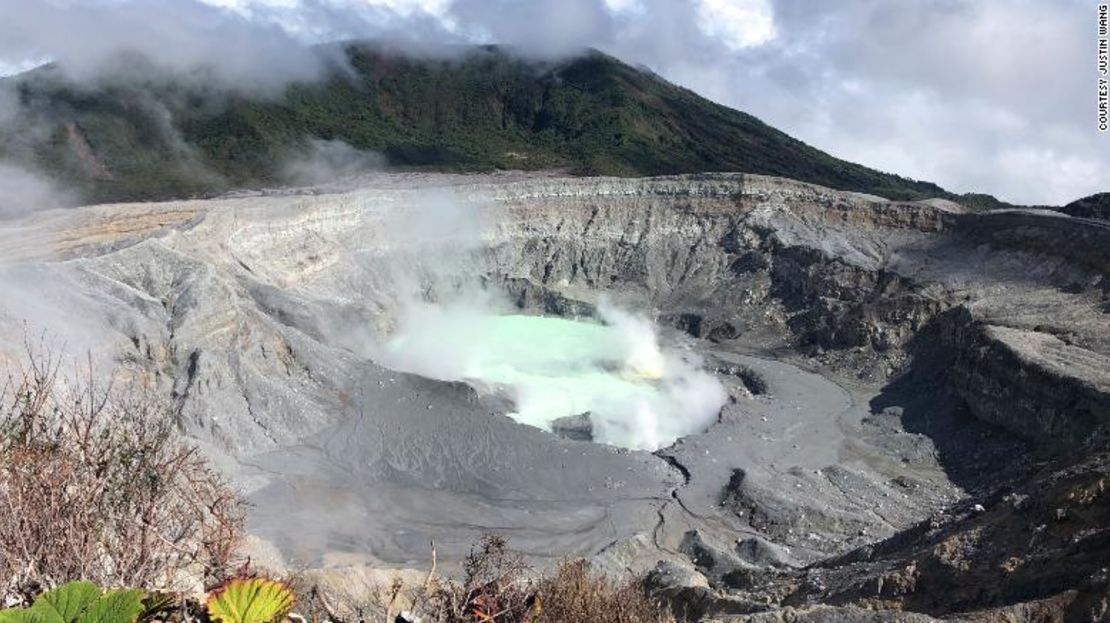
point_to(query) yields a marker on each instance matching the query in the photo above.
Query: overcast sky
(976, 95)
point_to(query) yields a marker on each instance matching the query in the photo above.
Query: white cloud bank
(977, 95)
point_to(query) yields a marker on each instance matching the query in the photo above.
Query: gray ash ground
(805, 467)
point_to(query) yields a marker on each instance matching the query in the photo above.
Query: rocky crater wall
(260, 315)
(848, 278)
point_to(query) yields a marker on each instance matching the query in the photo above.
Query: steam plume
(330, 161)
(637, 394)
(23, 191)
(449, 326)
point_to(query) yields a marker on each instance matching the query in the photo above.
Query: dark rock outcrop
(574, 427)
(1035, 385)
(1040, 549)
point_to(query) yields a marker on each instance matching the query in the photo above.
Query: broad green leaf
(122, 606)
(18, 615)
(65, 603)
(254, 600)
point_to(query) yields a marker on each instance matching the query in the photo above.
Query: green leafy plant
(249, 600)
(79, 602)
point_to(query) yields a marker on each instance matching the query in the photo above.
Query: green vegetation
(250, 600)
(140, 138)
(240, 600)
(79, 602)
(497, 586)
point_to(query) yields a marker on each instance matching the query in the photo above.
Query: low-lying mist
(23, 191)
(326, 161)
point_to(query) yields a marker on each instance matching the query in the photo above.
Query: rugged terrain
(919, 394)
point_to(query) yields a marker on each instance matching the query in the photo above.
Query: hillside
(146, 135)
(1093, 206)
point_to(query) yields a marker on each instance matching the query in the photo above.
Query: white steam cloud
(23, 191)
(636, 393)
(448, 325)
(90, 39)
(330, 161)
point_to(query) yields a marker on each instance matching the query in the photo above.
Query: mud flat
(425, 460)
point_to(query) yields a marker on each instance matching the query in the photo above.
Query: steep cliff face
(838, 305)
(1034, 384)
(1083, 241)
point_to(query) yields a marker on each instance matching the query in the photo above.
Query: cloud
(541, 28)
(953, 91)
(977, 95)
(87, 39)
(959, 92)
(738, 24)
(23, 191)
(330, 161)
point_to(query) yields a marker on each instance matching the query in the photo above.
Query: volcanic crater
(825, 370)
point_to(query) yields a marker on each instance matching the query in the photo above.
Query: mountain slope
(146, 135)
(1093, 206)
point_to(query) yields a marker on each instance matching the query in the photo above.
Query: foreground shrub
(95, 484)
(497, 586)
(576, 594)
(79, 602)
(250, 600)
